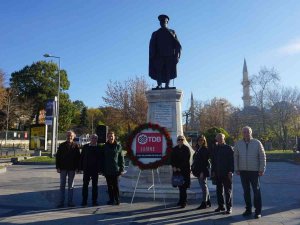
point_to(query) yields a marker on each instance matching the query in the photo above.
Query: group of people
(93, 160)
(247, 159)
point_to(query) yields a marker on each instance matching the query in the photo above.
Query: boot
(203, 205)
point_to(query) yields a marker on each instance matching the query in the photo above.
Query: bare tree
(129, 99)
(261, 84)
(215, 113)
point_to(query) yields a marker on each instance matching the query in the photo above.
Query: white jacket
(251, 158)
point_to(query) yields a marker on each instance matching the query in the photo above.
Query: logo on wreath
(142, 139)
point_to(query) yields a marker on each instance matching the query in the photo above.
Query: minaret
(246, 86)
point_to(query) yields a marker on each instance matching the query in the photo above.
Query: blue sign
(50, 106)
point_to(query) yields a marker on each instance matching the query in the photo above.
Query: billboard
(38, 137)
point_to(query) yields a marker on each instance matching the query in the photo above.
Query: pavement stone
(29, 194)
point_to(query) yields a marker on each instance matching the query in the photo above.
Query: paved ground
(28, 195)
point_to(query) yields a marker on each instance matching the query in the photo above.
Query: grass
(41, 159)
(282, 155)
(1, 167)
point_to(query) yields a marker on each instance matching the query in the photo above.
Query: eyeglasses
(179, 139)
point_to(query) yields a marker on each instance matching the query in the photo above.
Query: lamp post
(58, 91)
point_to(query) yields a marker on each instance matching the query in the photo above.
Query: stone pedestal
(164, 108)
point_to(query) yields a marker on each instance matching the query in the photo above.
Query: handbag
(177, 179)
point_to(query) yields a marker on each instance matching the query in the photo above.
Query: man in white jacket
(250, 164)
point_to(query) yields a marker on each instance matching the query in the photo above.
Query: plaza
(29, 194)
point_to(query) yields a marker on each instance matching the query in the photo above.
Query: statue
(164, 53)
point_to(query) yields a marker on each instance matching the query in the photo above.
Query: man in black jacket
(90, 162)
(222, 170)
(67, 162)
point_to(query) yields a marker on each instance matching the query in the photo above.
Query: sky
(103, 40)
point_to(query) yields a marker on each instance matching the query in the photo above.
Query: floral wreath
(151, 165)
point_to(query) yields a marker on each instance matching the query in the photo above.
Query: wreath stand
(151, 186)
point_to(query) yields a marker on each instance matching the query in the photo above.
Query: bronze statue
(164, 53)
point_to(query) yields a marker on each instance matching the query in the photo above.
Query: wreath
(151, 165)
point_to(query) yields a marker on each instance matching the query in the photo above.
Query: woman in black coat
(180, 161)
(200, 169)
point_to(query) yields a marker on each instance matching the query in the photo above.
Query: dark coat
(90, 159)
(201, 163)
(164, 50)
(180, 158)
(222, 160)
(113, 159)
(67, 156)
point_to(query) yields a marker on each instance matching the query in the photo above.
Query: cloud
(291, 48)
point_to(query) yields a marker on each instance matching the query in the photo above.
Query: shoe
(183, 205)
(208, 204)
(60, 205)
(219, 209)
(247, 213)
(227, 212)
(117, 202)
(203, 205)
(110, 202)
(257, 215)
(71, 204)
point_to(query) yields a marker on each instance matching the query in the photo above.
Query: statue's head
(163, 20)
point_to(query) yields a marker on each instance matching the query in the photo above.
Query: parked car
(81, 140)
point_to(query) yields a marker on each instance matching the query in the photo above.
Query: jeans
(86, 180)
(224, 183)
(205, 191)
(63, 178)
(251, 178)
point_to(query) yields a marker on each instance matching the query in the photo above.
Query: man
(67, 162)
(164, 53)
(90, 162)
(113, 167)
(250, 164)
(222, 170)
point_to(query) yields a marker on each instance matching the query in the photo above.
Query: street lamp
(58, 91)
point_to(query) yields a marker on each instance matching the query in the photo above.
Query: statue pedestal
(164, 108)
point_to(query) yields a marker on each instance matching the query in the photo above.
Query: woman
(180, 161)
(113, 167)
(200, 169)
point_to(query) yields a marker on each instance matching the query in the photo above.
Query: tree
(84, 118)
(284, 113)
(215, 113)
(38, 83)
(95, 117)
(66, 113)
(261, 85)
(2, 88)
(79, 105)
(129, 101)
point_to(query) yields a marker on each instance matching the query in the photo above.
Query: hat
(160, 17)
